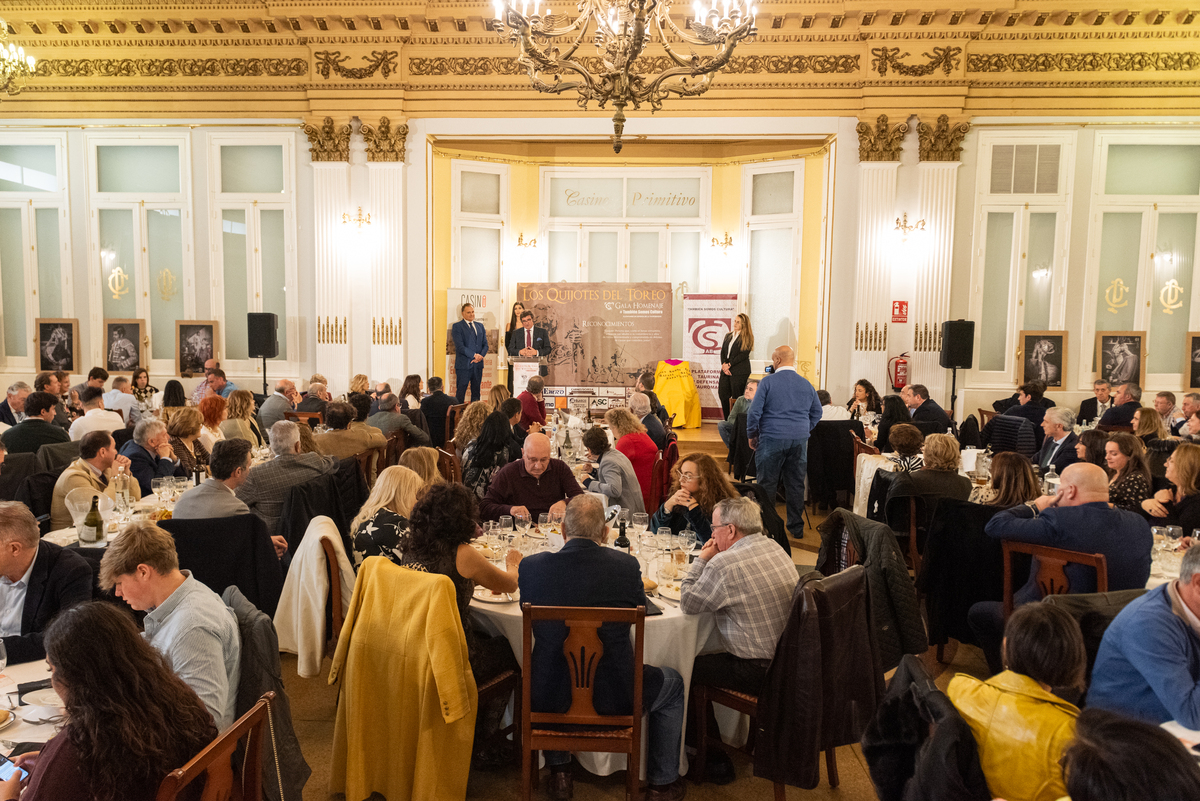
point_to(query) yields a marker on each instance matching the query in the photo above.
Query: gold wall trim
(329, 142)
(383, 142)
(944, 58)
(738, 65)
(880, 143)
(1083, 62)
(171, 67)
(329, 62)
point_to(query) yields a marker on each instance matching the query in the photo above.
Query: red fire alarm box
(899, 311)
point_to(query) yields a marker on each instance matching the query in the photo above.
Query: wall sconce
(717, 243)
(1041, 271)
(521, 243)
(360, 219)
(905, 229)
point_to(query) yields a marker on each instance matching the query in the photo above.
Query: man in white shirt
(1094, 408)
(1191, 405)
(829, 410)
(95, 416)
(120, 399)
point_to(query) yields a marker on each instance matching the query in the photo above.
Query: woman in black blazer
(735, 362)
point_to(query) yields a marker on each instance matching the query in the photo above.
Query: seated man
(186, 621)
(923, 408)
(95, 416)
(640, 407)
(37, 429)
(1191, 405)
(645, 385)
(435, 406)
(1126, 401)
(1078, 518)
(266, 487)
(1092, 408)
(95, 378)
(602, 577)
(533, 405)
(390, 418)
(381, 389)
(1172, 415)
(1059, 447)
(830, 410)
(1029, 404)
(534, 485)
(12, 410)
(37, 580)
(228, 465)
(97, 464)
(342, 441)
(315, 400)
(47, 381)
(1148, 666)
(724, 427)
(273, 408)
(218, 383)
(150, 454)
(746, 581)
(121, 399)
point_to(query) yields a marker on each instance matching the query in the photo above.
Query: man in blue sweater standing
(784, 410)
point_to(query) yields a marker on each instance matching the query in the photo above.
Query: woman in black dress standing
(514, 322)
(735, 362)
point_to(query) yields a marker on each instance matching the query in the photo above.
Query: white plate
(669, 590)
(7, 718)
(42, 698)
(484, 595)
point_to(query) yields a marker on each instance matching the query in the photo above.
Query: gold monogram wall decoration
(167, 285)
(118, 282)
(880, 143)
(384, 143)
(943, 142)
(1171, 297)
(944, 58)
(329, 62)
(1114, 295)
(329, 142)
(1083, 62)
(171, 67)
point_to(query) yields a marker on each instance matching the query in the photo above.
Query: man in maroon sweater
(533, 405)
(535, 485)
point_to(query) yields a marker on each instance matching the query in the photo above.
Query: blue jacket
(1120, 415)
(1123, 537)
(1148, 666)
(146, 466)
(466, 344)
(1033, 412)
(785, 407)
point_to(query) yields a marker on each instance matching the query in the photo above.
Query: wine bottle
(622, 543)
(92, 529)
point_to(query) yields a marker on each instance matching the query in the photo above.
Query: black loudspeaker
(262, 335)
(958, 344)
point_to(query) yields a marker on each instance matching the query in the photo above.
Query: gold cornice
(1083, 62)
(329, 142)
(172, 67)
(330, 62)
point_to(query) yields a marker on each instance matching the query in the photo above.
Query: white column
(931, 302)
(386, 191)
(331, 199)
(872, 286)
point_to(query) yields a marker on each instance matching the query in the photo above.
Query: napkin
(41, 714)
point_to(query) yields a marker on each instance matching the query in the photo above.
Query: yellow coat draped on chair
(406, 716)
(676, 390)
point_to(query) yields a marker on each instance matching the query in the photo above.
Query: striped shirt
(748, 588)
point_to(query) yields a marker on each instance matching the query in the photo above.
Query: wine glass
(544, 523)
(647, 550)
(158, 487)
(506, 524)
(641, 522)
(690, 538)
(623, 517)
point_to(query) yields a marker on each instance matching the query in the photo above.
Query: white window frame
(459, 219)
(760, 222)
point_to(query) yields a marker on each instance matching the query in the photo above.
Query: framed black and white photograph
(1044, 357)
(123, 345)
(1191, 368)
(1121, 356)
(195, 343)
(57, 344)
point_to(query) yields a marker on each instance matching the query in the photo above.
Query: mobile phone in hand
(7, 768)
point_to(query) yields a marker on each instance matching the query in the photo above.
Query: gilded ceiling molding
(171, 67)
(500, 65)
(384, 143)
(329, 62)
(1083, 62)
(738, 65)
(880, 143)
(943, 142)
(329, 142)
(944, 58)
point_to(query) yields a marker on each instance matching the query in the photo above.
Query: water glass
(544, 523)
(506, 524)
(690, 538)
(1174, 534)
(664, 538)
(1159, 535)
(157, 486)
(641, 522)
(522, 523)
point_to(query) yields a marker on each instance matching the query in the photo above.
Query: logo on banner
(707, 332)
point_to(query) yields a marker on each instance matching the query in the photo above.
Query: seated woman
(1012, 482)
(939, 477)
(906, 440)
(424, 462)
(308, 444)
(171, 400)
(184, 430)
(1130, 482)
(241, 423)
(1090, 447)
(633, 441)
(1179, 506)
(1149, 428)
(497, 396)
(1020, 726)
(213, 410)
(470, 423)
(894, 412)
(144, 391)
(614, 478)
(383, 519)
(130, 719)
(865, 400)
(410, 391)
(491, 450)
(1115, 758)
(697, 485)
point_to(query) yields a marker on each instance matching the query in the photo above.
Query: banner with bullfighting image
(487, 312)
(601, 334)
(709, 318)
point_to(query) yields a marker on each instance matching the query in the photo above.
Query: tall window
(479, 198)
(773, 203)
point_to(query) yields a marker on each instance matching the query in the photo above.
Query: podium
(524, 368)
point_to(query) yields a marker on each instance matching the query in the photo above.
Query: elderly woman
(633, 441)
(150, 454)
(697, 484)
(613, 477)
(184, 430)
(241, 423)
(214, 411)
(383, 519)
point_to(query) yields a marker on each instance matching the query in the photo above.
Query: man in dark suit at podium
(529, 342)
(470, 346)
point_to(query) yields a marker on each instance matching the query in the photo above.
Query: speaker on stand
(958, 350)
(262, 338)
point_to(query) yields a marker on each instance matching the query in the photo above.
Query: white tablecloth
(864, 474)
(20, 731)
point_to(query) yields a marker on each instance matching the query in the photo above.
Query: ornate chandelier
(15, 66)
(620, 73)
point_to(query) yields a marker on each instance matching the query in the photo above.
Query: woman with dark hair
(894, 412)
(613, 476)
(1020, 726)
(1130, 482)
(130, 719)
(172, 400)
(1115, 758)
(1012, 483)
(514, 322)
(1090, 447)
(697, 484)
(906, 440)
(410, 391)
(1180, 504)
(491, 450)
(184, 429)
(865, 399)
(735, 362)
(142, 389)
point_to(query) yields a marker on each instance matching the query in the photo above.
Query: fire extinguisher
(899, 373)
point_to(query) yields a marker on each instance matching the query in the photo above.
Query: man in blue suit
(470, 346)
(150, 455)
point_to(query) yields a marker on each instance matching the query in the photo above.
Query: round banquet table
(20, 731)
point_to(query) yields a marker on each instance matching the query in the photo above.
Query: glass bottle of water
(123, 501)
(1050, 482)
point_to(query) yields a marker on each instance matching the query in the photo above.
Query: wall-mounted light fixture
(1041, 271)
(521, 243)
(905, 229)
(724, 245)
(360, 219)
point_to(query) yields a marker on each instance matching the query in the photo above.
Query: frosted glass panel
(997, 267)
(685, 267)
(586, 197)
(480, 193)
(234, 280)
(602, 256)
(771, 262)
(1153, 170)
(49, 263)
(28, 168)
(153, 168)
(274, 274)
(252, 168)
(772, 193)
(479, 258)
(1120, 247)
(1039, 271)
(12, 282)
(663, 197)
(1171, 292)
(164, 241)
(643, 256)
(118, 264)
(564, 255)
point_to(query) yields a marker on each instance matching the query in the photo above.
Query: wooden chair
(452, 415)
(1114, 429)
(368, 460)
(1051, 576)
(337, 613)
(502, 686)
(985, 417)
(583, 651)
(449, 467)
(660, 481)
(215, 762)
(861, 447)
(671, 455)
(397, 443)
(305, 417)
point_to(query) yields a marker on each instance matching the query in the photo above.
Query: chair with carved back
(370, 462)
(309, 418)
(215, 762)
(449, 466)
(620, 734)
(671, 454)
(397, 442)
(452, 415)
(861, 447)
(1051, 577)
(985, 416)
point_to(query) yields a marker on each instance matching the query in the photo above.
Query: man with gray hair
(38, 579)
(150, 454)
(1059, 447)
(1126, 401)
(266, 486)
(1094, 408)
(1148, 665)
(12, 410)
(316, 400)
(273, 408)
(389, 418)
(639, 406)
(1191, 405)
